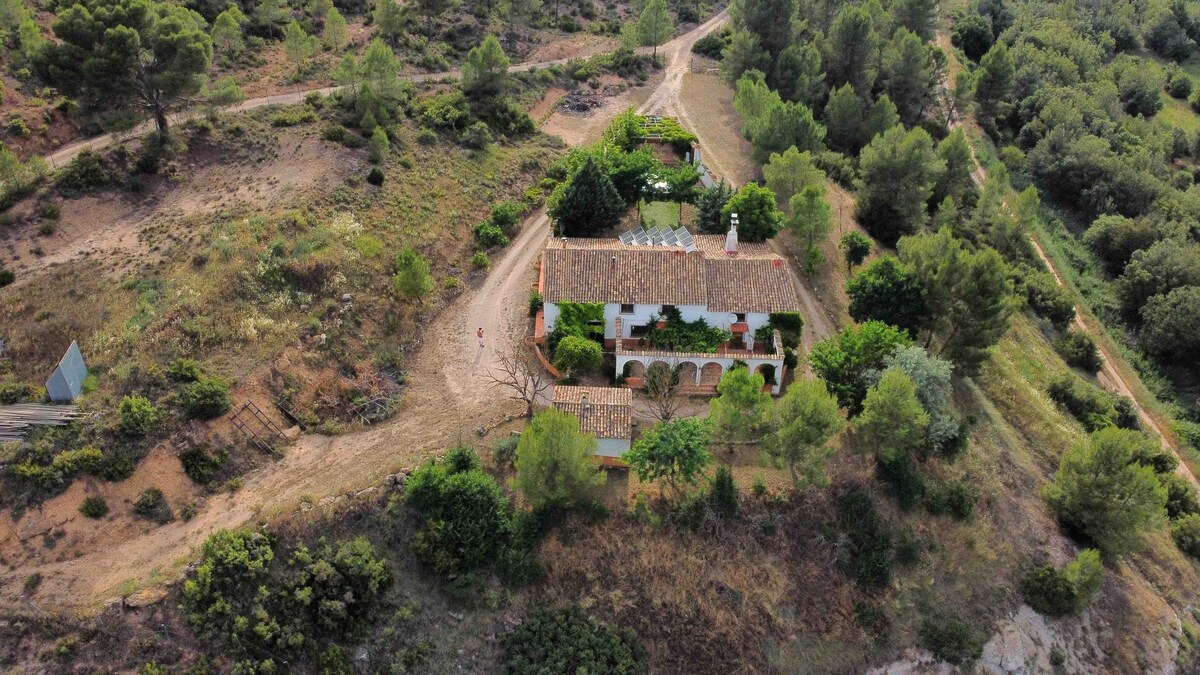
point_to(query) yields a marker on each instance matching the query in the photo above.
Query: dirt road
(1109, 374)
(449, 372)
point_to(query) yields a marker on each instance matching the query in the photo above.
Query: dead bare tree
(662, 389)
(523, 375)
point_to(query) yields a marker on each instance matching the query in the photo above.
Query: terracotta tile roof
(651, 277)
(583, 270)
(607, 414)
(750, 285)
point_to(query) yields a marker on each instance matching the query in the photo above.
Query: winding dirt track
(448, 393)
(1109, 374)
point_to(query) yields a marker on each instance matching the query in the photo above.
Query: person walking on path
(479, 333)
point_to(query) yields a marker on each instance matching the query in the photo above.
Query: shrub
(1179, 85)
(184, 369)
(7, 277)
(1090, 405)
(504, 453)
(83, 174)
(1047, 298)
(1055, 592)
(375, 176)
(294, 116)
(489, 236)
(427, 137)
(50, 210)
(205, 398)
(1079, 350)
(1181, 496)
(465, 516)
(445, 111)
(568, 641)
(94, 507)
(724, 495)
(480, 260)
(201, 465)
(461, 458)
(869, 558)
(138, 415)
(951, 640)
(46, 228)
(1186, 533)
(152, 505)
(710, 45)
(507, 215)
(476, 137)
(535, 302)
(333, 132)
(18, 392)
(577, 355)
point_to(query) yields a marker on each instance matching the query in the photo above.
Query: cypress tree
(589, 203)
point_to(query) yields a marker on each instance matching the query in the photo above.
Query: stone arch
(768, 372)
(688, 373)
(658, 367)
(711, 373)
(634, 368)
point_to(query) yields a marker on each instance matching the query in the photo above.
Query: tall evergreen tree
(709, 205)
(993, 84)
(786, 125)
(798, 75)
(852, 49)
(769, 20)
(589, 204)
(899, 169)
(955, 151)
(335, 36)
(908, 75)
(655, 26)
(485, 73)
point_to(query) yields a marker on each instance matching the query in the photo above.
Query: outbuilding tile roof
(607, 413)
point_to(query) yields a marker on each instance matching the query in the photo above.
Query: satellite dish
(732, 318)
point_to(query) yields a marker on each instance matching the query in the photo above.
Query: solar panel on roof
(627, 238)
(669, 239)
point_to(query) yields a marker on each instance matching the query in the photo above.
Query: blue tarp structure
(67, 381)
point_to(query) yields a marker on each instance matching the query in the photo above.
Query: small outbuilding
(66, 382)
(603, 412)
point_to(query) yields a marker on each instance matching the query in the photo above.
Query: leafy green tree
(709, 206)
(809, 221)
(554, 461)
(994, 84)
(769, 20)
(299, 45)
(972, 34)
(805, 419)
(682, 185)
(133, 54)
(844, 359)
(335, 36)
(786, 125)
(378, 146)
(893, 424)
(759, 218)
(1101, 495)
(1169, 324)
(752, 99)
(675, 451)
(485, 73)
(1168, 33)
(655, 26)
(1158, 270)
(743, 54)
(855, 246)
(388, 17)
(589, 203)
(918, 16)
(790, 172)
(909, 75)
(740, 411)
(575, 355)
(887, 291)
(1114, 239)
(968, 296)
(798, 75)
(227, 33)
(852, 49)
(931, 375)
(899, 170)
(955, 152)
(413, 280)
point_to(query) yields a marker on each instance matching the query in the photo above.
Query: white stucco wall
(753, 362)
(612, 447)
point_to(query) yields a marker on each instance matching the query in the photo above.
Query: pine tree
(299, 45)
(908, 75)
(335, 35)
(786, 125)
(798, 75)
(899, 169)
(805, 419)
(655, 25)
(412, 279)
(993, 84)
(227, 33)
(709, 205)
(852, 49)
(589, 204)
(389, 19)
(810, 221)
(485, 73)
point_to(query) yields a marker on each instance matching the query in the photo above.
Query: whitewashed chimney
(731, 242)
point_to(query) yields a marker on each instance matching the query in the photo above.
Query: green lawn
(663, 214)
(1178, 114)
